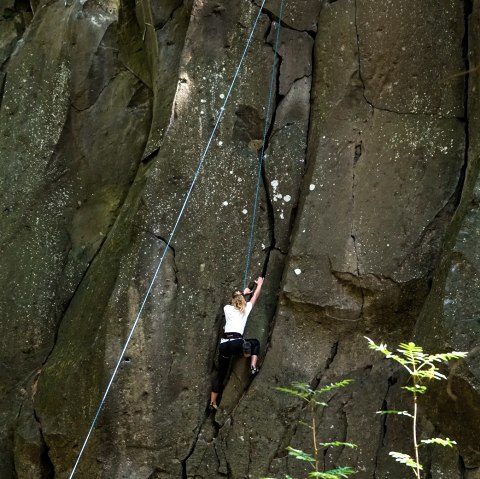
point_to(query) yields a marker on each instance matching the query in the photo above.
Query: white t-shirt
(235, 321)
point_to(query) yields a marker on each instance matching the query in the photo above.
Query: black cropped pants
(227, 351)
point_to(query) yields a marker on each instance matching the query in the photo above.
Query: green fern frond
(300, 455)
(339, 384)
(337, 444)
(400, 413)
(405, 459)
(441, 442)
(341, 472)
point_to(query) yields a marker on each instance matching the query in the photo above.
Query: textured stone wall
(367, 225)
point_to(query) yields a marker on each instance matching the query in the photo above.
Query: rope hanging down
(147, 294)
(262, 152)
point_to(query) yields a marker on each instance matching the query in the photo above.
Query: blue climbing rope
(262, 152)
(182, 209)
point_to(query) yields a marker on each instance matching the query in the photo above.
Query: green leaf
(431, 373)
(323, 475)
(382, 348)
(293, 392)
(303, 387)
(337, 444)
(339, 384)
(405, 459)
(437, 440)
(400, 413)
(411, 350)
(300, 455)
(342, 472)
(417, 389)
(445, 357)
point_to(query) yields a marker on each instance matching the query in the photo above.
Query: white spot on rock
(274, 183)
(244, 211)
(312, 187)
(225, 203)
(222, 96)
(297, 271)
(287, 198)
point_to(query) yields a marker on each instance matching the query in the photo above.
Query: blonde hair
(238, 301)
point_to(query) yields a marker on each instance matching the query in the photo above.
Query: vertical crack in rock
(360, 77)
(461, 467)
(289, 433)
(356, 158)
(468, 8)
(381, 442)
(46, 463)
(343, 427)
(315, 383)
(330, 359)
(3, 81)
(268, 199)
(198, 430)
(270, 211)
(271, 221)
(310, 115)
(67, 305)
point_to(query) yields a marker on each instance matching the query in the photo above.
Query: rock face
(367, 225)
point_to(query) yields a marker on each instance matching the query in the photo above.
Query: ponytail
(238, 301)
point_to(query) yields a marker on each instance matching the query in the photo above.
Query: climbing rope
(262, 152)
(182, 209)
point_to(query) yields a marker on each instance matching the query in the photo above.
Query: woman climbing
(232, 342)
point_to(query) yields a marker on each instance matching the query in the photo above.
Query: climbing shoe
(253, 371)
(247, 349)
(212, 407)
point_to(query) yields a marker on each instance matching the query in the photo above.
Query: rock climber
(232, 342)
